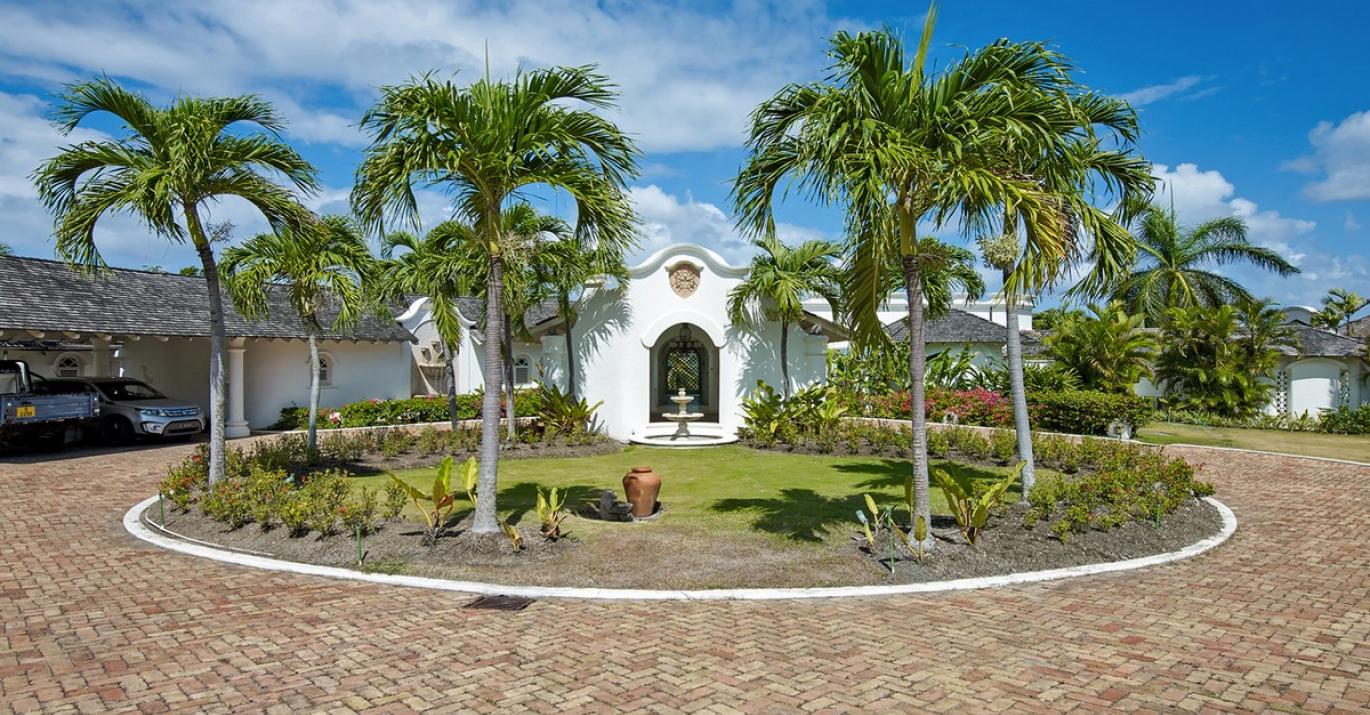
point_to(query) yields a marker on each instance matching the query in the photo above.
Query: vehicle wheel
(116, 430)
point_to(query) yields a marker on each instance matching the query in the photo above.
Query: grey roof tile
(37, 294)
(957, 326)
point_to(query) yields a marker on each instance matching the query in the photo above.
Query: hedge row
(1075, 411)
(413, 410)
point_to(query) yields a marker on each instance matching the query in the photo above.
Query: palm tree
(1073, 164)
(323, 268)
(484, 144)
(1175, 263)
(896, 145)
(525, 234)
(1218, 360)
(433, 267)
(562, 271)
(779, 279)
(5, 249)
(1339, 306)
(1107, 348)
(171, 162)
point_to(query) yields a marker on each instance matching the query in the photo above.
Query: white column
(99, 363)
(237, 424)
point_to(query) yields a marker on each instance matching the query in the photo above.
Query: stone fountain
(681, 418)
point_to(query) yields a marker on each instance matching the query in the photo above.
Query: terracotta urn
(642, 485)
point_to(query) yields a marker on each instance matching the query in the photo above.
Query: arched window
(523, 370)
(67, 366)
(326, 369)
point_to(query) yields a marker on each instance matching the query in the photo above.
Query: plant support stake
(359, 544)
(161, 508)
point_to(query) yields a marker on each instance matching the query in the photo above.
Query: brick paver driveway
(93, 620)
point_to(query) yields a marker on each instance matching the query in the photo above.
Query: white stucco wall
(276, 375)
(1313, 385)
(619, 326)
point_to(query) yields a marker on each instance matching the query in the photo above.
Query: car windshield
(128, 391)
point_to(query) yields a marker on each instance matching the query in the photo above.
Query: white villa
(637, 344)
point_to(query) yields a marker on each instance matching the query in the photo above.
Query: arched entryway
(684, 358)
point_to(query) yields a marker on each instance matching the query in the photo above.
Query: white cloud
(1341, 153)
(1200, 195)
(667, 218)
(1351, 223)
(1143, 96)
(689, 75)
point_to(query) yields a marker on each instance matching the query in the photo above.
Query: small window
(523, 369)
(326, 369)
(68, 366)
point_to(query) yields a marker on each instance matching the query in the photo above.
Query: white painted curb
(134, 525)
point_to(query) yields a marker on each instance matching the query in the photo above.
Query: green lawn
(733, 516)
(732, 488)
(1314, 444)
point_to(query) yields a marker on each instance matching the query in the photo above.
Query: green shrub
(324, 493)
(562, 412)
(1003, 445)
(395, 499)
(295, 512)
(1087, 412)
(1130, 484)
(265, 492)
(360, 510)
(1345, 420)
(1300, 423)
(184, 480)
(283, 453)
(432, 408)
(228, 502)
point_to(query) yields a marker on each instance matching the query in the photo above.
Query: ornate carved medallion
(684, 279)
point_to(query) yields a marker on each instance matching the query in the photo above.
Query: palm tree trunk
(785, 357)
(486, 521)
(511, 434)
(1021, 424)
(450, 377)
(218, 342)
(312, 441)
(913, 291)
(570, 357)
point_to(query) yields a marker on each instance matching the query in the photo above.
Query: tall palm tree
(323, 268)
(1175, 264)
(433, 267)
(1086, 159)
(779, 279)
(483, 144)
(896, 145)
(562, 271)
(168, 165)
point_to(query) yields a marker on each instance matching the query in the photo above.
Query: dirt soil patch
(657, 554)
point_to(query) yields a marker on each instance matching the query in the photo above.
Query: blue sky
(1257, 109)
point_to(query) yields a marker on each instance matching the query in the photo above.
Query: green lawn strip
(799, 499)
(1313, 444)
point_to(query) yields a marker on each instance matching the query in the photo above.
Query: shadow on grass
(797, 514)
(522, 498)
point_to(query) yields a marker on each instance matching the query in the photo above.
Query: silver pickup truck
(30, 418)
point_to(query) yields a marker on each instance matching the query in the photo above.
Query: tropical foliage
(1339, 306)
(485, 144)
(322, 266)
(165, 167)
(1107, 348)
(1220, 360)
(779, 280)
(1175, 264)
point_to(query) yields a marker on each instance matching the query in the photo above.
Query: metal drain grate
(499, 603)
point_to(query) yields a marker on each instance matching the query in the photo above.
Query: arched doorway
(684, 358)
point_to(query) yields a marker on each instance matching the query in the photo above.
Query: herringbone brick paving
(93, 621)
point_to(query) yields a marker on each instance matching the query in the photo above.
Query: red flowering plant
(970, 407)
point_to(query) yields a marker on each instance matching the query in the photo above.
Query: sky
(1256, 109)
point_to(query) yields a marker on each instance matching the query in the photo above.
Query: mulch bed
(676, 562)
(1009, 547)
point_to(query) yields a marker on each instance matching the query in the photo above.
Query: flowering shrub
(978, 407)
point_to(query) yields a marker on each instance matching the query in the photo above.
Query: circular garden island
(807, 511)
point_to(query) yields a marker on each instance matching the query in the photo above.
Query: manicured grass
(797, 498)
(1313, 444)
